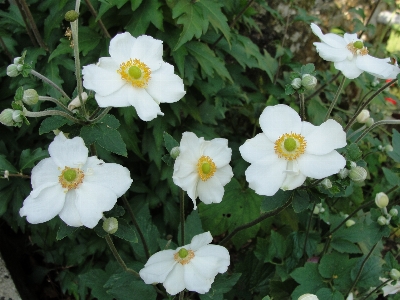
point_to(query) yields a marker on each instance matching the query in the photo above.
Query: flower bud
(30, 97)
(394, 274)
(388, 148)
(393, 212)
(308, 297)
(6, 117)
(381, 200)
(20, 67)
(369, 122)
(326, 183)
(6, 174)
(77, 102)
(110, 225)
(296, 83)
(353, 164)
(17, 61)
(358, 174)
(71, 16)
(350, 296)
(316, 210)
(363, 116)
(308, 81)
(350, 223)
(16, 116)
(175, 152)
(12, 70)
(382, 221)
(343, 173)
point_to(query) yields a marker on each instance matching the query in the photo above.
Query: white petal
(103, 81)
(44, 174)
(109, 175)
(350, 38)
(184, 167)
(174, 283)
(256, 148)
(377, 67)
(389, 289)
(188, 184)
(119, 98)
(164, 86)
(149, 50)
(45, 206)
(158, 267)
(91, 201)
(68, 152)
(195, 281)
(265, 178)
(224, 174)
(331, 39)
(146, 107)
(279, 119)
(210, 191)
(218, 151)
(217, 255)
(320, 166)
(121, 47)
(200, 240)
(293, 181)
(205, 266)
(69, 214)
(191, 143)
(325, 138)
(330, 53)
(348, 68)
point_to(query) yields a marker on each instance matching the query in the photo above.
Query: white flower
(202, 168)
(136, 75)
(363, 116)
(351, 57)
(192, 267)
(74, 186)
(308, 297)
(290, 150)
(390, 289)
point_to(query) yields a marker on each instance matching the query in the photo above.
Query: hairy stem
(182, 213)
(100, 22)
(118, 257)
(49, 82)
(376, 124)
(336, 98)
(302, 107)
(101, 115)
(44, 113)
(51, 99)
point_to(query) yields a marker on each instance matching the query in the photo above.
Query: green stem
(356, 131)
(101, 115)
(182, 214)
(282, 44)
(302, 107)
(94, 13)
(51, 99)
(308, 228)
(48, 81)
(118, 257)
(39, 114)
(376, 289)
(376, 124)
(336, 98)
(254, 222)
(94, 114)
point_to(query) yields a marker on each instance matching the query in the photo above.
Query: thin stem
(48, 81)
(44, 113)
(96, 111)
(302, 107)
(28, 29)
(118, 257)
(20, 175)
(101, 115)
(376, 124)
(94, 13)
(362, 267)
(182, 213)
(356, 131)
(322, 86)
(181, 295)
(376, 289)
(51, 99)
(326, 246)
(380, 90)
(370, 16)
(135, 223)
(282, 44)
(308, 228)
(336, 98)
(254, 222)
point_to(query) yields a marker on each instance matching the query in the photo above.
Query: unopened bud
(175, 152)
(308, 81)
(12, 70)
(18, 61)
(350, 223)
(77, 102)
(363, 116)
(394, 274)
(353, 164)
(20, 67)
(71, 16)
(381, 200)
(350, 296)
(316, 210)
(326, 183)
(6, 117)
(296, 83)
(110, 225)
(393, 212)
(30, 97)
(16, 116)
(308, 297)
(6, 174)
(382, 221)
(388, 148)
(369, 122)
(343, 173)
(358, 174)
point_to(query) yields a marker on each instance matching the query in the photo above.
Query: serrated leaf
(28, 157)
(6, 165)
(63, 47)
(329, 294)
(353, 152)
(270, 203)
(301, 200)
(169, 141)
(95, 280)
(126, 231)
(52, 72)
(309, 279)
(52, 123)
(289, 90)
(307, 69)
(370, 273)
(88, 39)
(148, 12)
(391, 176)
(65, 230)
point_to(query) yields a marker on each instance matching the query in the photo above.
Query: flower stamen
(135, 72)
(206, 168)
(71, 178)
(357, 48)
(290, 146)
(184, 256)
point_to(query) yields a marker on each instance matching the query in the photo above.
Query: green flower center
(69, 175)
(290, 144)
(183, 253)
(135, 72)
(71, 178)
(358, 45)
(206, 168)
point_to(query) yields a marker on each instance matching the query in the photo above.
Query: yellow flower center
(135, 72)
(206, 168)
(183, 256)
(357, 48)
(71, 178)
(290, 146)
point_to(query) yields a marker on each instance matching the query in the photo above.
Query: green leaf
(65, 230)
(28, 157)
(329, 294)
(370, 273)
(289, 90)
(309, 279)
(52, 72)
(169, 141)
(222, 284)
(105, 134)
(148, 12)
(307, 69)
(238, 207)
(52, 123)
(88, 39)
(301, 200)
(95, 280)
(270, 203)
(395, 154)
(344, 246)
(192, 227)
(126, 231)
(168, 159)
(63, 47)
(391, 176)
(316, 110)
(6, 165)
(353, 152)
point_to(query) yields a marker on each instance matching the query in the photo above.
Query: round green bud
(382, 221)
(343, 173)
(363, 116)
(308, 81)
(326, 183)
(393, 212)
(6, 117)
(394, 274)
(30, 97)
(308, 297)
(16, 116)
(12, 70)
(369, 122)
(358, 174)
(388, 148)
(296, 83)
(350, 223)
(175, 152)
(110, 225)
(20, 68)
(381, 200)
(71, 16)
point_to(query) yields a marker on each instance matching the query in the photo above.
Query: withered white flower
(192, 267)
(290, 150)
(74, 186)
(135, 75)
(202, 168)
(350, 56)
